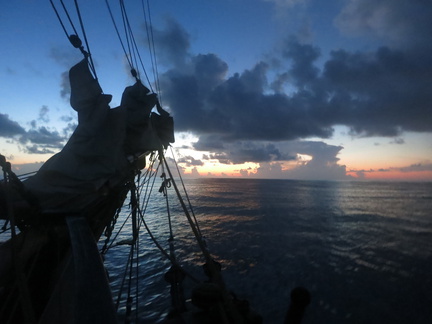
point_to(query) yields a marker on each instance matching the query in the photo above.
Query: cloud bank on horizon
(267, 113)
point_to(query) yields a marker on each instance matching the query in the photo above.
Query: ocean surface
(362, 249)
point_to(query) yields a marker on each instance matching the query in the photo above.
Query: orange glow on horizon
(393, 175)
(23, 164)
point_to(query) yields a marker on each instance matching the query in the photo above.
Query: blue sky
(301, 89)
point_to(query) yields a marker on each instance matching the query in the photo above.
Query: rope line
(127, 35)
(74, 38)
(117, 31)
(155, 64)
(136, 52)
(186, 194)
(151, 45)
(128, 43)
(144, 186)
(91, 64)
(69, 18)
(198, 237)
(59, 19)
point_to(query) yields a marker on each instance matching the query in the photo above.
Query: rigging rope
(128, 35)
(152, 47)
(187, 196)
(131, 293)
(60, 20)
(132, 53)
(92, 66)
(74, 38)
(198, 237)
(117, 31)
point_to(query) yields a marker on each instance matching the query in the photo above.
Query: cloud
(37, 149)
(66, 58)
(424, 167)
(377, 93)
(419, 167)
(40, 140)
(43, 114)
(245, 151)
(172, 43)
(65, 89)
(380, 93)
(302, 69)
(266, 113)
(43, 135)
(9, 128)
(190, 161)
(399, 23)
(323, 165)
(398, 141)
(271, 156)
(194, 172)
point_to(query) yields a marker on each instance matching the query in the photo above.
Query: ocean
(362, 249)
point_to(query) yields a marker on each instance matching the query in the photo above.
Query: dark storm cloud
(238, 108)
(381, 92)
(8, 127)
(302, 57)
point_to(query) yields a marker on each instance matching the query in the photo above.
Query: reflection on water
(362, 249)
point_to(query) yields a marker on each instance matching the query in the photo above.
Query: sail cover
(95, 157)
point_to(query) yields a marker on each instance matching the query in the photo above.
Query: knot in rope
(166, 183)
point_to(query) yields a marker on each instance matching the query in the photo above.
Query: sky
(289, 89)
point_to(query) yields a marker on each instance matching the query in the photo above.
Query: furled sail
(95, 157)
